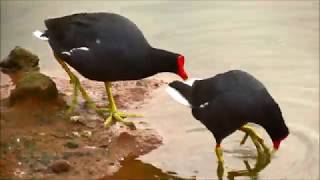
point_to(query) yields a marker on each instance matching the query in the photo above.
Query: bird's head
(166, 61)
(274, 124)
(277, 129)
(180, 70)
(276, 142)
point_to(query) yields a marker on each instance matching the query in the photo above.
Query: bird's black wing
(70, 32)
(232, 81)
(110, 32)
(226, 112)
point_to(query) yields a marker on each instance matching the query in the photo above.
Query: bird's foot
(119, 116)
(249, 131)
(101, 111)
(71, 108)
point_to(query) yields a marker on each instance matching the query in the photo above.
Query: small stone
(75, 118)
(76, 134)
(139, 83)
(90, 147)
(42, 134)
(60, 166)
(86, 133)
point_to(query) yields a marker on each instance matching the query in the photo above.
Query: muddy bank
(40, 140)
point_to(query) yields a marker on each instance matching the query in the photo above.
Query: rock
(34, 85)
(130, 144)
(22, 67)
(86, 133)
(21, 60)
(75, 118)
(75, 134)
(60, 166)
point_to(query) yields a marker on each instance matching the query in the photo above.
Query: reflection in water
(138, 170)
(263, 159)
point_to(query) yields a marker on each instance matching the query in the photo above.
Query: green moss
(34, 84)
(26, 60)
(71, 145)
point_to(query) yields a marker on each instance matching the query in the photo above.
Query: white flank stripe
(80, 48)
(67, 53)
(75, 49)
(177, 96)
(38, 34)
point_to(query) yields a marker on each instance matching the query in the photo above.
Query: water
(278, 42)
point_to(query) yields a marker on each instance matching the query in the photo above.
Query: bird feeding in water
(106, 47)
(227, 102)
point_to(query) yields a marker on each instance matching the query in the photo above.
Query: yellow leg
(114, 114)
(74, 98)
(220, 168)
(76, 82)
(219, 153)
(256, 138)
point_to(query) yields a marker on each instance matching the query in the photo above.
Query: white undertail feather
(38, 34)
(190, 81)
(177, 96)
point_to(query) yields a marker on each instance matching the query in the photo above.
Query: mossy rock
(34, 85)
(20, 59)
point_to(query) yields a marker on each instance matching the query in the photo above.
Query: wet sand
(278, 42)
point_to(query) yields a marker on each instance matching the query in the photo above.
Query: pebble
(75, 118)
(76, 134)
(60, 166)
(86, 133)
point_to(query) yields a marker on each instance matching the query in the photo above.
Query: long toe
(116, 117)
(108, 122)
(244, 139)
(126, 115)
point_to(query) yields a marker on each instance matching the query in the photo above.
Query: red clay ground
(38, 140)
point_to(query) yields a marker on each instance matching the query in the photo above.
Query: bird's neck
(277, 130)
(163, 61)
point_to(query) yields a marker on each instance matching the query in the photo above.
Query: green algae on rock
(23, 68)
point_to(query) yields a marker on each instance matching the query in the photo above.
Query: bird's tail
(181, 91)
(41, 35)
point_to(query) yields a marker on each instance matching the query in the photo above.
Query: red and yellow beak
(181, 72)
